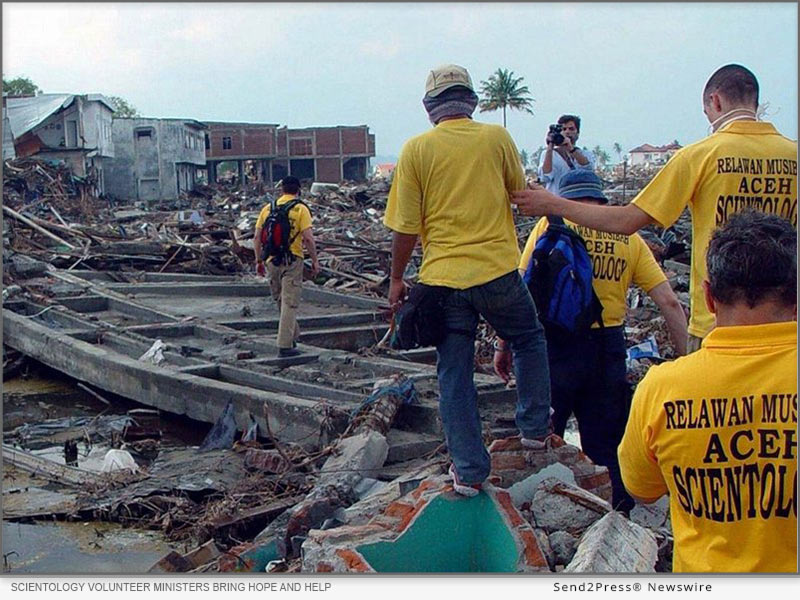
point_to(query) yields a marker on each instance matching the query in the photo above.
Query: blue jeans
(507, 306)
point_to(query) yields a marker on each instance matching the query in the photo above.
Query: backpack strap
(288, 207)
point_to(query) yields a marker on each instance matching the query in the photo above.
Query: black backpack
(276, 238)
(559, 277)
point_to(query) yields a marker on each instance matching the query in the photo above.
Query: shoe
(543, 442)
(286, 352)
(468, 490)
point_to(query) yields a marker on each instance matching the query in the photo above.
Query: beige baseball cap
(446, 76)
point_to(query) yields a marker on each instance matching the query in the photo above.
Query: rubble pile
(51, 216)
(47, 188)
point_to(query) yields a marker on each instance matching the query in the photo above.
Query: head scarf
(450, 103)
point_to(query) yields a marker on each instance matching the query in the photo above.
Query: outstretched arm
(673, 312)
(614, 219)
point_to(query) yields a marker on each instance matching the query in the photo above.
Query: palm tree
(503, 90)
(618, 150)
(536, 157)
(601, 156)
(524, 158)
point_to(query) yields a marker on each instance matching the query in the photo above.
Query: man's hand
(260, 270)
(567, 144)
(315, 267)
(535, 201)
(503, 364)
(397, 294)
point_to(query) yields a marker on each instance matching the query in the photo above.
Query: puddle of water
(80, 548)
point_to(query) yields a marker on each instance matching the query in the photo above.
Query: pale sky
(633, 72)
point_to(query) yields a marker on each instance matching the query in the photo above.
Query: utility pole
(624, 177)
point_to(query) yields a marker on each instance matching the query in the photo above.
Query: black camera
(554, 135)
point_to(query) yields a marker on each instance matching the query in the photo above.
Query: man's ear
(710, 302)
(715, 101)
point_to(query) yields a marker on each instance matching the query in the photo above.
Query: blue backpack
(559, 277)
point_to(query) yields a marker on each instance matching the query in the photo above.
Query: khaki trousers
(286, 283)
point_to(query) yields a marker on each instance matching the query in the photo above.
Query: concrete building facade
(156, 159)
(325, 154)
(68, 127)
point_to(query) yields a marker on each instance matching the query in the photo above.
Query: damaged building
(269, 152)
(155, 159)
(74, 129)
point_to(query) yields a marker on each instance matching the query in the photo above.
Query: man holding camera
(562, 154)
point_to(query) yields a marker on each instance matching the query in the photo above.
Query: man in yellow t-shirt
(587, 371)
(743, 164)
(451, 188)
(286, 272)
(717, 429)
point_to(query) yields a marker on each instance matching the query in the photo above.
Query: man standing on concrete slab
(285, 264)
(587, 370)
(562, 154)
(451, 188)
(743, 164)
(717, 429)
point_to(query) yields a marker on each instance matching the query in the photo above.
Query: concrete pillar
(212, 171)
(240, 164)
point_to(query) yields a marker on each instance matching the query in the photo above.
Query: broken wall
(157, 164)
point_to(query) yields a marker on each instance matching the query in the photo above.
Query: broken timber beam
(48, 468)
(36, 227)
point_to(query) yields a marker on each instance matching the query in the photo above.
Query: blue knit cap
(581, 183)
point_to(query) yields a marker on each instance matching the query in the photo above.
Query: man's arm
(311, 246)
(257, 244)
(580, 157)
(257, 250)
(614, 219)
(402, 247)
(547, 166)
(673, 313)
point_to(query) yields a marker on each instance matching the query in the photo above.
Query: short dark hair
(752, 259)
(736, 83)
(290, 185)
(567, 118)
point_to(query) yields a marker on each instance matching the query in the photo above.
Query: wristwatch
(499, 346)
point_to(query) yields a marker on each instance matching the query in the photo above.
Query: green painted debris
(450, 535)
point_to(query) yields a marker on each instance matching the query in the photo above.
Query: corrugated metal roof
(25, 114)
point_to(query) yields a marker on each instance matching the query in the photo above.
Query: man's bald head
(736, 84)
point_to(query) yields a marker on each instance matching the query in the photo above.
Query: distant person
(717, 429)
(451, 188)
(285, 259)
(743, 164)
(588, 371)
(562, 154)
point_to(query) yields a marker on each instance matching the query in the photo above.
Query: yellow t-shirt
(717, 430)
(299, 217)
(745, 164)
(451, 185)
(617, 261)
